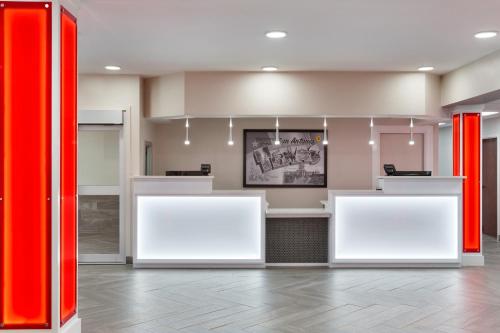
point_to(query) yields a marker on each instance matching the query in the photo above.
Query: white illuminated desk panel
(198, 229)
(401, 225)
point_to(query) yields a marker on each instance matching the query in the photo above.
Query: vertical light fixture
(26, 167)
(277, 137)
(471, 169)
(325, 133)
(230, 141)
(411, 142)
(187, 142)
(68, 168)
(371, 142)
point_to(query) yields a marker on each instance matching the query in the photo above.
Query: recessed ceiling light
(488, 113)
(486, 34)
(269, 68)
(426, 68)
(441, 124)
(276, 34)
(112, 68)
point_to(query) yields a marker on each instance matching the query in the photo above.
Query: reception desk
(181, 222)
(408, 221)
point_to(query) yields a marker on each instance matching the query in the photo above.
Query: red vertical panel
(456, 145)
(25, 172)
(472, 184)
(68, 166)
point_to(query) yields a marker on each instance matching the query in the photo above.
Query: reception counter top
(297, 212)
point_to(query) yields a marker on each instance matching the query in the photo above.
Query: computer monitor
(390, 170)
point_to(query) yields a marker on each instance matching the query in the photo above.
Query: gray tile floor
(121, 299)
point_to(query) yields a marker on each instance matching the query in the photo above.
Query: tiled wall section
(98, 225)
(297, 240)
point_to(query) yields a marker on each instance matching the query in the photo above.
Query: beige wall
(349, 155)
(394, 149)
(433, 96)
(305, 93)
(252, 94)
(164, 96)
(478, 78)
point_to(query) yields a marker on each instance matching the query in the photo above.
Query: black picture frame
(319, 132)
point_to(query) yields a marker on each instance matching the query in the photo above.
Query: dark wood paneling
(490, 187)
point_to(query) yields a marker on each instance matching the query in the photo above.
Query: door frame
(119, 258)
(498, 181)
(426, 130)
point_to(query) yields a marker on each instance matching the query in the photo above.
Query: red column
(25, 171)
(68, 166)
(467, 162)
(456, 145)
(471, 150)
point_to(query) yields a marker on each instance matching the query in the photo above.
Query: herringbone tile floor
(121, 299)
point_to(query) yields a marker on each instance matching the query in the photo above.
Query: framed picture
(300, 160)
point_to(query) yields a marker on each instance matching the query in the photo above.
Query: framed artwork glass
(300, 160)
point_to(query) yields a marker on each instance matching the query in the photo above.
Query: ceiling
(154, 37)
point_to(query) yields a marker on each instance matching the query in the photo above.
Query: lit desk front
(411, 221)
(197, 229)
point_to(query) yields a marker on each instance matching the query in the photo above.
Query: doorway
(148, 167)
(489, 207)
(100, 194)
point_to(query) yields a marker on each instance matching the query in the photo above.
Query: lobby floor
(121, 299)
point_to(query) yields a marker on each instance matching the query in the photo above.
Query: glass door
(100, 194)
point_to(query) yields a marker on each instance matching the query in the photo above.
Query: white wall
(98, 158)
(101, 92)
(491, 129)
(446, 151)
(475, 79)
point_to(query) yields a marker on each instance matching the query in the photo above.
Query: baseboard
(395, 265)
(472, 259)
(198, 265)
(72, 326)
(297, 265)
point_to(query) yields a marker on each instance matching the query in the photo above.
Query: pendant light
(230, 141)
(325, 133)
(371, 142)
(187, 142)
(411, 142)
(277, 137)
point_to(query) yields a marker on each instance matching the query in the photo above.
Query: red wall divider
(456, 145)
(25, 171)
(68, 278)
(471, 141)
(470, 154)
